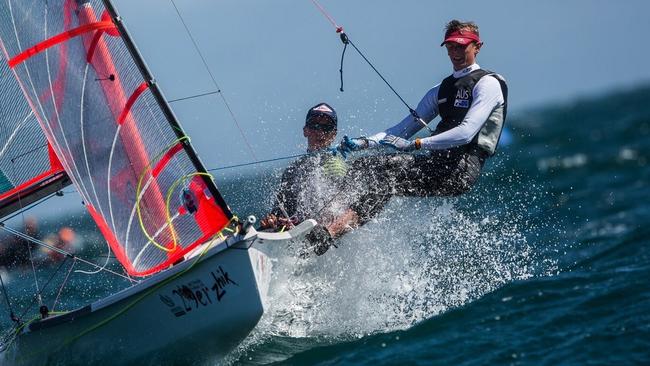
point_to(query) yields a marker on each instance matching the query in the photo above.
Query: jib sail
(29, 169)
(112, 130)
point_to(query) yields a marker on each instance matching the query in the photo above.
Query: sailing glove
(348, 145)
(399, 143)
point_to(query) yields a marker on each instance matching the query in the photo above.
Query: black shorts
(441, 173)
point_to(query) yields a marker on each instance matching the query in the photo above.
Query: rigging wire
(346, 40)
(108, 258)
(31, 260)
(29, 249)
(193, 96)
(214, 81)
(259, 162)
(65, 281)
(59, 250)
(40, 292)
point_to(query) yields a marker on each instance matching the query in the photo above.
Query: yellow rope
(138, 191)
(23, 325)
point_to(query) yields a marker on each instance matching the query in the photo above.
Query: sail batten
(111, 130)
(59, 38)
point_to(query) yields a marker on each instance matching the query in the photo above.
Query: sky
(273, 59)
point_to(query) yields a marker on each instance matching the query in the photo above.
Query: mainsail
(111, 129)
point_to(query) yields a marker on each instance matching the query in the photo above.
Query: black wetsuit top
(308, 185)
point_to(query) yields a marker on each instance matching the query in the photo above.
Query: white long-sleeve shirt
(487, 96)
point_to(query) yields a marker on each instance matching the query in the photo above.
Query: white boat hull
(200, 309)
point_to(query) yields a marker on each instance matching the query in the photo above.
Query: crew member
(472, 105)
(312, 186)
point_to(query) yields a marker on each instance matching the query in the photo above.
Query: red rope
(338, 28)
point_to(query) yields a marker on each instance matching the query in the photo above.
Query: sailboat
(82, 108)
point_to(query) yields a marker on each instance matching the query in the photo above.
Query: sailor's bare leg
(347, 221)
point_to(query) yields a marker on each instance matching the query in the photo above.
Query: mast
(162, 102)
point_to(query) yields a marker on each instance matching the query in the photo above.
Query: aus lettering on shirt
(462, 98)
(463, 94)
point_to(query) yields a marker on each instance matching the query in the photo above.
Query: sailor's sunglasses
(328, 127)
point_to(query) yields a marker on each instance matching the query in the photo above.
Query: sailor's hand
(273, 222)
(398, 143)
(347, 145)
(337, 150)
(288, 222)
(269, 222)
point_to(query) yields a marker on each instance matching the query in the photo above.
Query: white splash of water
(417, 259)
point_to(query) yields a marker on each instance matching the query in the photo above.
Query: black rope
(193, 96)
(346, 40)
(13, 159)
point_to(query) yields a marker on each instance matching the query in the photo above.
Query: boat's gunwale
(59, 319)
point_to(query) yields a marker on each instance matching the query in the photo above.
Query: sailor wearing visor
(472, 105)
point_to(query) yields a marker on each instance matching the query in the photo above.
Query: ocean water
(545, 262)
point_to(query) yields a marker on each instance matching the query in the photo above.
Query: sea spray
(418, 258)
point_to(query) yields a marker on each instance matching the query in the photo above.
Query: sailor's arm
(275, 218)
(427, 109)
(285, 201)
(487, 96)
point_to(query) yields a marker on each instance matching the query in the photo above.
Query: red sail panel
(60, 38)
(148, 195)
